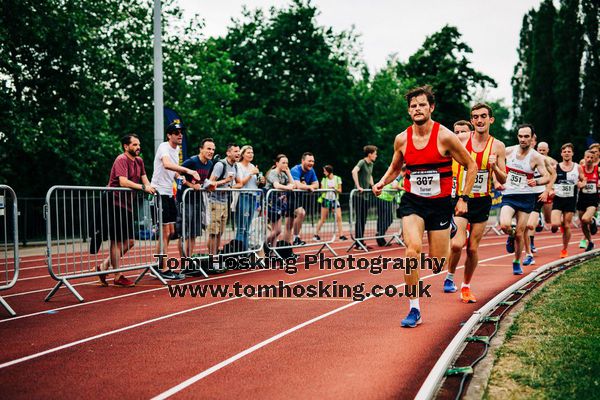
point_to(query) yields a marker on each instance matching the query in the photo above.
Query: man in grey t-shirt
(223, 176)
(362, 174)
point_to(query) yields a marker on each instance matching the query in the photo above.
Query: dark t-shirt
(130, 169)
(194, 163)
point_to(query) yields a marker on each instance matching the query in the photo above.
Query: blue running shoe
(517, 268)
(510, 244)
(453, 228)
(449, 286)
(529, 260)
(590, 246)
(412, 319)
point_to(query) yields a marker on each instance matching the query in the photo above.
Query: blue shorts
(520, 202)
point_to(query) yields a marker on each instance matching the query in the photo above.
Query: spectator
(223, 176)
(279, 177)
(330, 201)
(305, 179)
(249, 180)
(128, 171)
(385, 209)
(362, 174)
(166, 168)
(195, 205)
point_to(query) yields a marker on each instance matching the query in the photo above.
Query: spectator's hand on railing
(149, 189)
(211, 186)
(196, 186)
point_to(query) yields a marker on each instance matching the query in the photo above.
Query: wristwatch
(143, 187)
(465, 198)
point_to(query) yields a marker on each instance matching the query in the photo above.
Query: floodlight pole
(158, 78)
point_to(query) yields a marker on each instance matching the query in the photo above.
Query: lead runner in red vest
(489, 154)
(427, 148)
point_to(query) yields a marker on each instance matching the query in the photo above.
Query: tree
(522, 71)
(589, 117)
(442, 62)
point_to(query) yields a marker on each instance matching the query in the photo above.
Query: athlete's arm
(460, 154)
(395, 166)
(582, 180)
(497, 161)
(540, 164)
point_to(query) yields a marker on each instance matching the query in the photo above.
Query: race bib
(425, 183)
(564, 190)
(590, 188)
(453, 186)
(481, 181)
(516, 180)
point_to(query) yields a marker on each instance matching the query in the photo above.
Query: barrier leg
(68, 286)
(7, 307)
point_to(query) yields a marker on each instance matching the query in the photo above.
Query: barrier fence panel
(299, 219)
(9, 236)
(94, 231)
(493, 224)
(225, 222)
(374, 218)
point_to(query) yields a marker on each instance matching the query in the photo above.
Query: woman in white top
(330, 201)
(246, 204)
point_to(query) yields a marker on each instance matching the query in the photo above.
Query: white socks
(467, 285)
(414, 303)
(450, 276)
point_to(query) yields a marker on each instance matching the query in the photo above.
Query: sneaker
(563, 254)
(449, 286)
(466, 296)
(298, 242)
(517, 268)
(412, 319)
(381, 242)
(124, 282)
(539, 227)
(101, 278)
(533, 249)
(583, 243)
(343, 237)
(593, 227)
(510, 244)
(170, 275)
(453, 228)
(316, 238)
(529, 260)
(590, 246)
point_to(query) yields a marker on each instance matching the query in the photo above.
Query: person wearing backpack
(330, 201)
(223, 175)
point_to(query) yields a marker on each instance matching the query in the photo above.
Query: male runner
(587, 203)
(518, 197)
(568, 176)
(543, 203)
(489, 154)
(427, 148)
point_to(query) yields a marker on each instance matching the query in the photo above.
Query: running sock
(531, 240)
(467, 285)
(414, 303)
(450, 276)
(516, 261)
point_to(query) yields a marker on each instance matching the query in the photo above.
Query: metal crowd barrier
(300, 213)
(374, 218)
(84, 223)
(9, 234)
(225, 222)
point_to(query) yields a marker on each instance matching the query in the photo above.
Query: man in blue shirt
(305, 179)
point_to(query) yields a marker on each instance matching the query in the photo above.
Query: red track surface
(140, 343)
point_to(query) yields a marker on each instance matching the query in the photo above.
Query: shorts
(478, 209)
(524, 202)
(169, 210)
(120, 224)
(538, 206)
(300, 199)
(435, 212)
(564, 204)
(193, 221)
(586, 200)
(330, 204)
(218, 217)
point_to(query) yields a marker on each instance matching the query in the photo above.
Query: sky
(490, 27)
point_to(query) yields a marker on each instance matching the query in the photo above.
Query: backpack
(217, 159)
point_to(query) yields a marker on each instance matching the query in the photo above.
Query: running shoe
(590, 246)
(563, 254)
(316, 238)
(533, 249)
(124, 282)
(412, 319)
(517, 268)
(583, 244)
(529, 260)
(449, 286)
(343, 237)
(299, 242)
(510, 244)
(540, 226)
(593, 227)
(466, 296)
(381, 242)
